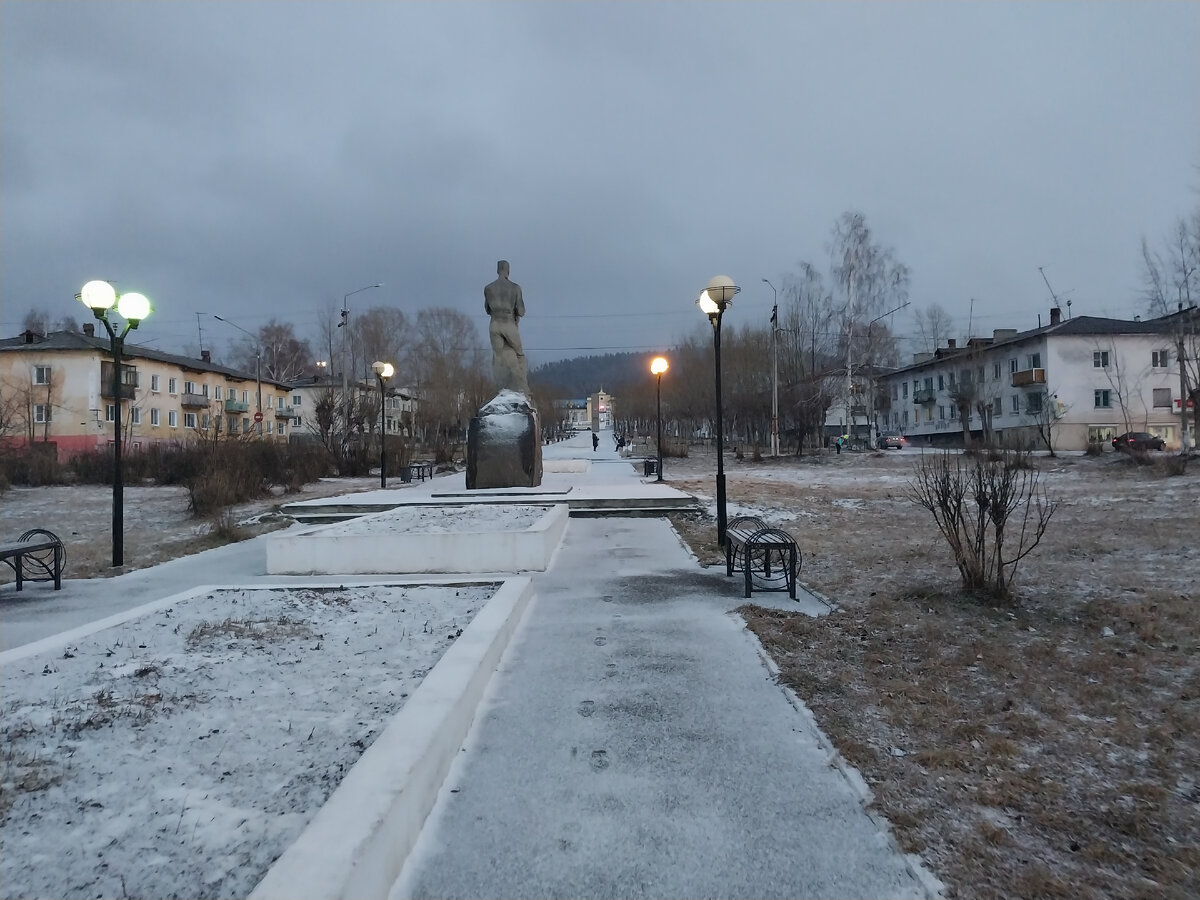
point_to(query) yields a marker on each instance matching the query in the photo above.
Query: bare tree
(284, 356)
(934, 325)
(36, 321)
(992, 514)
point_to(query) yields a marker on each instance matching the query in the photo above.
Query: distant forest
(577, 378)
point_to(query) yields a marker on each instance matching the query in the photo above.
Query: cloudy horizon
(261, 160)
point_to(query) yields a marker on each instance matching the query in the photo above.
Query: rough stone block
(504, 446)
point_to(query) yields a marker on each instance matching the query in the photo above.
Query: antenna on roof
(201, 331)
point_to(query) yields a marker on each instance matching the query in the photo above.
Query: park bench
(36, 556)
(421, 470)
(768, 557)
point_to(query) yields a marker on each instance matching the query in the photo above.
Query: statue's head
(502, 268)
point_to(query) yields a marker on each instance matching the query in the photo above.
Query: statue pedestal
(504, 444)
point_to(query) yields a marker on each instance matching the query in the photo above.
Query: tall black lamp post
(100, 298)
(657, 366)
(383, 371)
(714, 300)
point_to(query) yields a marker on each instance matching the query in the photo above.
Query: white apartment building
(1079, 380)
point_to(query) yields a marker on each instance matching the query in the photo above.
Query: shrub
(1094, 448)
(972, 501)
(32, 466)
(1175, 465)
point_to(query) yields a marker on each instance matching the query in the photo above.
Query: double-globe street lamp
(657, 366)
(100, 298)
(713, 301)
(383, 371)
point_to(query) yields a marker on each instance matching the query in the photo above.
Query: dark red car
(1138, 440)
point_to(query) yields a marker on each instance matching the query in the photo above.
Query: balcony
(923, 397)
(284, 412)
(193, 401)
(1028, 376)
(236, 406)
(129, 381)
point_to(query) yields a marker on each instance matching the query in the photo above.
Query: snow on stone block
(469, 539)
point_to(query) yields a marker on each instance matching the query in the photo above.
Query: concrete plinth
(504, 446)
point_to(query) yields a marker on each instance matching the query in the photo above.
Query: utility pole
(1180, 360)
(345, 373)
(774, 371)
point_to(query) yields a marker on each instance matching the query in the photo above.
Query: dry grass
(1046, 750)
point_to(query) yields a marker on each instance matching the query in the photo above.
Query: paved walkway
(634, 745)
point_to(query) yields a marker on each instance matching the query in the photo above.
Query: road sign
(258, 417)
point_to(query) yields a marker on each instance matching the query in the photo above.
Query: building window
(997, 407)
(981, 374)
(895, 391)
(296, 422)
(135, 415)
(41, 413)
(41, 375)
(171, 384)
(1103, 399)
(906, 418)
(941, 412)
(270, 427)
(953, 411)
(1012, 365)
(1162, 398)
(204, 389)
(1159, 359)
(296, 398)
(246, 423)
(1101, 434)
(110, 412)
(173, 418)
(189, 387)
(204, 422)
(155, 421)
(941, 382)
(245, 396)
(1033, 403)
(154, 384)
(905, 389)
(1100, 359)
(189, 420)
(996, 371)
(1035, 361)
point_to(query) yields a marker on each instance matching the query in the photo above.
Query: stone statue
(502, 301)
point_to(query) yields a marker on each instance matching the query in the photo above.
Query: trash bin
(650, 467)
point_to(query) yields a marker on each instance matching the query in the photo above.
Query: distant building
(57, 389)
(600, 410)
(1086, 379)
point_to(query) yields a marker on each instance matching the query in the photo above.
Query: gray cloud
(263, 159)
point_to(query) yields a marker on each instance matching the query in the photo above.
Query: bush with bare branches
(992, 513)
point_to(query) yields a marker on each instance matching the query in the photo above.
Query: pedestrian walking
(595, 441)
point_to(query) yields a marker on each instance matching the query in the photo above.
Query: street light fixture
(257, 369)
(100, 298)
(774, 371)
(657, 366)
(713, 301)
(383, 371)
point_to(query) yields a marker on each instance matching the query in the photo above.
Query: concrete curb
(359, 840)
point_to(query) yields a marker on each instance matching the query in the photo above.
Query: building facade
(1071, 383)
(58, 389)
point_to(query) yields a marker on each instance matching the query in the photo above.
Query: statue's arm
(519, 309)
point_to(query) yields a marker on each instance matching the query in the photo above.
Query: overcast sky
(258, 159)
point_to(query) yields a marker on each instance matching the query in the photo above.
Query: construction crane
(1054, 296)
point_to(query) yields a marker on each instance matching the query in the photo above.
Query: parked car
(892, 440)
(1138, 440)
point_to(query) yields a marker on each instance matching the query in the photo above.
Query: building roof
(1078, 326)
(73, 340)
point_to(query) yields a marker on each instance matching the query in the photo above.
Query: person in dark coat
(595, 441)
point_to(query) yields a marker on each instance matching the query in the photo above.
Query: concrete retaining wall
(312, 552)
(359, 840)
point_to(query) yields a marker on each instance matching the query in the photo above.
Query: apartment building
(400, 408)
(58, 389)
(1081, 380)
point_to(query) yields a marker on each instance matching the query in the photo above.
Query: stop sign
(258, 417)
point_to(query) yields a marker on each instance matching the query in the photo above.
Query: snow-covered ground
(179, 754)
(476, 518)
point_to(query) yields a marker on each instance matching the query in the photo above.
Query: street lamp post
(99, 297)
(657, 366)
(713, 301)
(383, 371)
(774, 371)
(257, 368)
(345, 337)
(872, 430)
